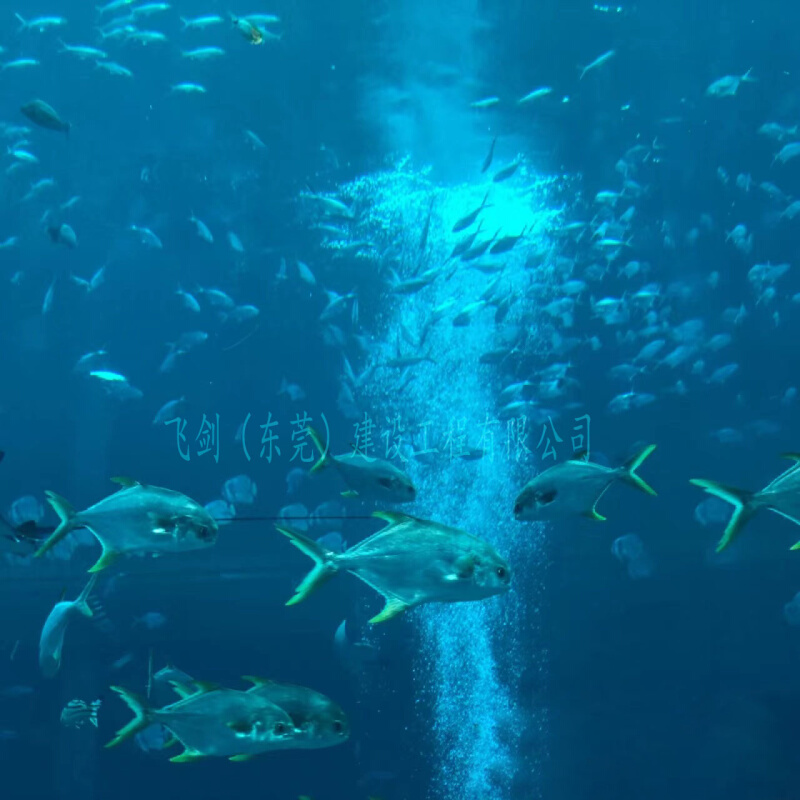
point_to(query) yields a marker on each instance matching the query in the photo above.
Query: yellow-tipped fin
(392, 608)
(66, 514)
(182, 690)
(186, 756)
(257, 681)
(630, 471)
(323, 457)
(142, 716)
(743, 507)
(593, 514)
(105, 560)
(241, 757)
(324, 565)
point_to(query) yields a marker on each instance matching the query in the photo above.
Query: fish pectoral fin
(171, 742)
(592, 514)
(186, 756)
(349, 494)
(105, 560)
(392, 608)
(242, 757)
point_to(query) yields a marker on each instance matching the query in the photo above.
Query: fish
(77, 713)
(318, 721)
(200, 23)
(543, 91)
(364, 475)
(575, 487)
(599, 61)
(465, 222)
(410, 561)
(51, 641)
(45, 116)
(487, 162)
(505, 173)
(781, 495)
(211, 721)
(136, 519)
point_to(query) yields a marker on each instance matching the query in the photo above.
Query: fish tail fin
(82, 604)
(22, 22)
(68, 522)
(143, 716)
(185, 22)
(323, 456)
(324, 564)
(743, 507)
(631, 466)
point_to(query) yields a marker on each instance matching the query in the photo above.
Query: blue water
(629, 658)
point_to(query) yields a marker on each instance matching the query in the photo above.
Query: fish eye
(280, 729)
(338, 727)
(502, 572)
(517, 509)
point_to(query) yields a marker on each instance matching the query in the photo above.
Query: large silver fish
(51, 642)
(137, 519)
(212, 721)
(411, 561)
(575, 487)
(781, 495)
(367, 476)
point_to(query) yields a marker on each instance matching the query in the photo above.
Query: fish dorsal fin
(63, 595)
(183, 690)
(126, 483)
(394, 517)
(204, 687)
(256, 681)
(792, 456)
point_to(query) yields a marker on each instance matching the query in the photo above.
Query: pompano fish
(319, 721)
(51, 642)
(410, 562)
(575, 487)
(212, 721)
(137, 519)
(373, 477)
(781, 495)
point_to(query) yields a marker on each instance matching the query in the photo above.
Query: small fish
(147, 237)
(487, 162)
(248, 30)
(575, 487)
(188, 88)
(168, 411)
(535, 95)
(40, 23)
(410, 562)
(203, 53)
(782, 495)
(466, 222)
(44, 115)
(486, 102)
(505, 173)
(51, 641)
(77, 713)
(373, 477)
(82, 51)
(728, 85)
(114, 69)
(598, 62)
(19, 63)
(136, 519)
(200, 23)
(202, 229)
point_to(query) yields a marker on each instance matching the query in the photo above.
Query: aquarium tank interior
(399, 400)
